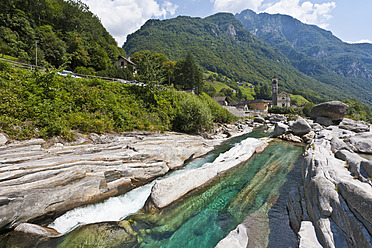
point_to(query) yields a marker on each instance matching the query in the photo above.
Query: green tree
(188, 74)
(263, 92)
(150, 66)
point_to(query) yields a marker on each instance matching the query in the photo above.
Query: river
(256, 188)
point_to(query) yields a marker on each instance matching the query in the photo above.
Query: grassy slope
(36, 104)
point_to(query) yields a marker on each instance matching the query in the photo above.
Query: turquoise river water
(257, 188)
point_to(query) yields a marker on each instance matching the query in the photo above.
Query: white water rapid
(112, 209)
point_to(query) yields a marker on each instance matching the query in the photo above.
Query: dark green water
(205, 216)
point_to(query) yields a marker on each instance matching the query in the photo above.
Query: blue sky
(349, 20)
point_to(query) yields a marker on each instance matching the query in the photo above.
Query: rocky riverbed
(333, 207)
(40, 180)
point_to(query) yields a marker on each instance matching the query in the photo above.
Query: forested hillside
(66, 33)
(221, 44)
(316, 52)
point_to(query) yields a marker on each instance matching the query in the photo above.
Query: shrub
(193, 115)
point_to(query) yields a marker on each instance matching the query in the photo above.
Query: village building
(283, 99)
(123, 62)
(222, 100)
(259, 104)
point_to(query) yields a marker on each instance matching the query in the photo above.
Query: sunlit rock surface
(39, 181)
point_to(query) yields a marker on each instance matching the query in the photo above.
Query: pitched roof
(129, 62)
(284, 93)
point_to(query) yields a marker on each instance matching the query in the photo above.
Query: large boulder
(277, 118)
(335, 110)
(324, 121)
(355, 126)
(259, 119)
(361, 142)
(300, 126)
(280, 128)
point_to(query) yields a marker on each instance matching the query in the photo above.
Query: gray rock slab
(168, 190)
(335, 110)
(300, 126)
(361, 142)
(355, 126)
(279, 129)
(307, 236)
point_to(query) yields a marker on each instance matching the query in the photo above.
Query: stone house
(259, 104)
(222, 100)
(123, 62)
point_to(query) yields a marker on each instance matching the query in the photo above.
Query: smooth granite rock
(277, 118)
(361, 142)
(300, 126)
(259, 119)
(337, 203)
(335, 110)
(168, 190)
(324, 121)
(237, 238)
(40, 181)
(279, 129)
(36, 229)
(367, 166)
(307, 236)
(355, 126)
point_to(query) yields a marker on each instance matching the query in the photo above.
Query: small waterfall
(112, 209)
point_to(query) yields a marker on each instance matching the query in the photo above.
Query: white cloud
(235, 6)
(122, 17)
(361, 41)
(306, 12)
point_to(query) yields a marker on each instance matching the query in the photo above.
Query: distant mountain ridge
(222, 44)
(315, 51)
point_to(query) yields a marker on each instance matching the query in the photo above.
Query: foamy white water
(113, 209)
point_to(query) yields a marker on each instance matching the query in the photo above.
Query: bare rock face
(361, 142)
(279, 129)
(277, 118)
(36, 229)
(355, 126)
(300, 126)
(38, 183)
(237, 238)
(337, 202)
(307, 236)
(335, 110)
(168, 190)
(324, 121)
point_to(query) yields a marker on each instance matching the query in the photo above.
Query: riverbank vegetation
(44, 104)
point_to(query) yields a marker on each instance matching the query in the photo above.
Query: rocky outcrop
(355, 126)
(300, 126)
(168, 190)
(40, 180)
(279, 129)
(336, 201)
(277, 118)
(307, 236)
(335, 110)
(361, 142)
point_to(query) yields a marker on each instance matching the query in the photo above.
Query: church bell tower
(274, 82)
